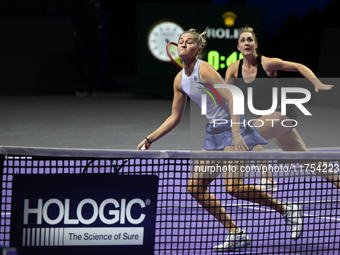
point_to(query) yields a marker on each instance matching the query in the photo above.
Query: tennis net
(182, 225)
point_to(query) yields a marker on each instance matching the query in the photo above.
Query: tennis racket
(145, 147)
(171, 50)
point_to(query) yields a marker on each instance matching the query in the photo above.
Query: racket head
(171, 50)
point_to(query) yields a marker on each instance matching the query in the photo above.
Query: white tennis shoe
(294, 219)
(267, 185)
(234, 241)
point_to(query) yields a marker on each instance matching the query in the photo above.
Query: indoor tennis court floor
(121, 121)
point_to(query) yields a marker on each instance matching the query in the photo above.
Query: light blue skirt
(220, 136)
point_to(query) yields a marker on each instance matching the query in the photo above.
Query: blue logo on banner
(84, 214)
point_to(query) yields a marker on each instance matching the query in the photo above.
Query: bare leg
(270, 130)
(292, 141)
(270, 127)
(288, 139)
(198, 189)
(267, 175)
(237, 188)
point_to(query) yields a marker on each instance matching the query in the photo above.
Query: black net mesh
(189, 218)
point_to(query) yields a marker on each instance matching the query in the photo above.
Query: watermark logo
(239, 101)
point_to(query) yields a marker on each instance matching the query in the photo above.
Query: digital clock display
(219, 61)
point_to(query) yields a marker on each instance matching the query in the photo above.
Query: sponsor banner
(84, 214)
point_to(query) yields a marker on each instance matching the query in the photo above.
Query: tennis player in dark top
(245, 73)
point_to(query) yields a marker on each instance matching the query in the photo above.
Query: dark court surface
(122, 120)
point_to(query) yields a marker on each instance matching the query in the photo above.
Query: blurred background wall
(38, 42)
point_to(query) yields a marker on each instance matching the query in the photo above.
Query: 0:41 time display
(219, 61)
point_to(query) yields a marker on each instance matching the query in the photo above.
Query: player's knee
(190, 189)
(235, 190)
(194, 189)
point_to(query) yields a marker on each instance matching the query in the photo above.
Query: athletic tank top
(262, 88)
(193, 87)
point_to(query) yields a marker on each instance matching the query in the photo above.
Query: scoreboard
(161, 23)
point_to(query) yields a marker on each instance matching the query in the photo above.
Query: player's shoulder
(205, 64)
(232, 69)
(207, 70)
(234, 65)
(179, 75)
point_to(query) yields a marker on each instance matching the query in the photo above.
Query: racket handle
(145, 147)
